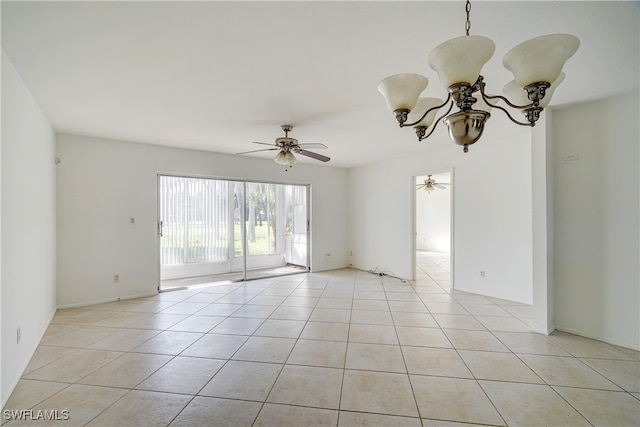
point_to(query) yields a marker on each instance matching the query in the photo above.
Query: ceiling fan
(430, 184)
(286, 146)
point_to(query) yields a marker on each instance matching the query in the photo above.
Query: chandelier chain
(467, 25)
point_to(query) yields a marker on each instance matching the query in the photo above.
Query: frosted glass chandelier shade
(540, 59)
(519, 96)
(460, 60)
(401, 91)
(421, 107)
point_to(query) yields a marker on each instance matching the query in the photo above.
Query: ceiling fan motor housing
(286, 142)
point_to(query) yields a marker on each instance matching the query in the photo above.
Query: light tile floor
(340, 348)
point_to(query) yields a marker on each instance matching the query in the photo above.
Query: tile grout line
(346, 351)
(493, 332)
(404, 360)
(284, 364)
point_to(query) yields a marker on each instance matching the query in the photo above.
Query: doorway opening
(214, 230)
(434, 228)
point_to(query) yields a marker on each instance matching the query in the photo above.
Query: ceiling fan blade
(313, 155)
(314, 145)
(263, 143)
(420, 186)
(256, 151)
(440, 186)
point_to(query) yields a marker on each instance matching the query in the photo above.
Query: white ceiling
(217, 75)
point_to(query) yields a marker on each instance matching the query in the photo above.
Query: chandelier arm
(506, 100)
(420, 138)
(437, 107)
(486, 99)
(479, 85)
(504, 110)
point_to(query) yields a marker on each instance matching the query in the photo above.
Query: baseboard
(629, 345)
(106, 300)
(14, 381)
(320, 270)
(548, 331)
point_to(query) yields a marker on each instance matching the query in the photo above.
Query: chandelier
(536, 65)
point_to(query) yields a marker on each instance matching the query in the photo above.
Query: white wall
(102, 183)
(543, 225)
(28, 226)
(492, 214)
(596, 220)
(433, 218)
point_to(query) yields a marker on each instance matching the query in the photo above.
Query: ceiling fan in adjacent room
(287, 146)
(430, 184)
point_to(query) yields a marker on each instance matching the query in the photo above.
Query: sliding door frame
(243, 230)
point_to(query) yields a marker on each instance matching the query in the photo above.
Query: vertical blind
(202, 218)
(195, 220)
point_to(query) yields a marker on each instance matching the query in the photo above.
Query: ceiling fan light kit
(285, 158)
(536, 65)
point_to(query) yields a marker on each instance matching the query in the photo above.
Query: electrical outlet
(132, 220)
(116, 278)
(18, 335)
(483, 273)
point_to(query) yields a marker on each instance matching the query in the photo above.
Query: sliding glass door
(214, 230)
